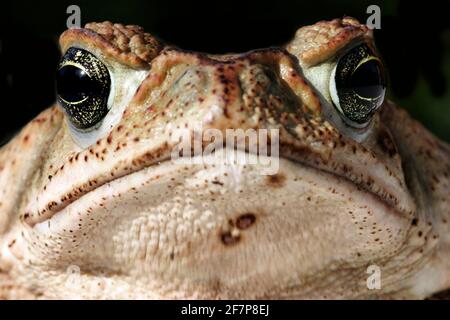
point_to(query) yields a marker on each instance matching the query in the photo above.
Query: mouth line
(359, 185)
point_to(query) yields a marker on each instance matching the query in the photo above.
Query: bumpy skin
(130, 222)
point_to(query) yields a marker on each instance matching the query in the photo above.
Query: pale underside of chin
(219, 230)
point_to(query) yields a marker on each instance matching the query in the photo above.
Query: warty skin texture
(113, 207)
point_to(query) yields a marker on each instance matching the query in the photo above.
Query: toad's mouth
(177, 221)
(383, 187)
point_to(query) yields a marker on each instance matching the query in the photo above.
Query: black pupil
(74, 85)
(367, 80)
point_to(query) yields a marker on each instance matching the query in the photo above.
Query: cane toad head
(93, 203)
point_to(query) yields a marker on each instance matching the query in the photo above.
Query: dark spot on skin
(245, 221)
(228, 239)
(414, 222)
(428, 154)
(386, 144)
(225, 113)
(11, 243)
(276, 180)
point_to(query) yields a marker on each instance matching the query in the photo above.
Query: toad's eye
(358, 85)
(83, 86)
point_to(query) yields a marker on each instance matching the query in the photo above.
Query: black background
(414, 40)
(280, 309)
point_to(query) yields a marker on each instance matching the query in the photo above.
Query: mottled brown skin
(138, 225)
